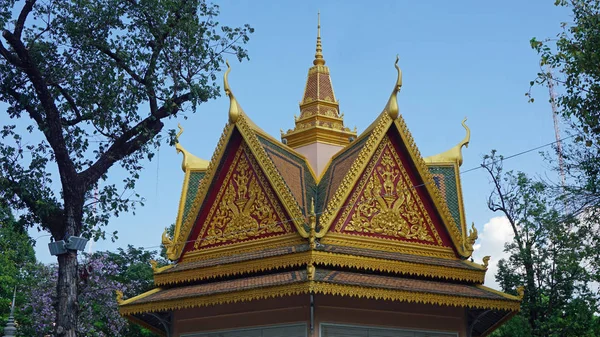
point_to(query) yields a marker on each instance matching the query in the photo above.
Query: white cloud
(492, 238)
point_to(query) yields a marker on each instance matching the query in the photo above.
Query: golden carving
(454, 154)
(190, 162)
(119, 294)
(244, 211)
(387, 205)
(168, 243)
(521, 292)
(234, 108)
(392, 106)
(322, 288)
(486, 260)
(343, 191)
(414, 297)
(470, 241)
(312, 219)
(320, 258)
(310, 271)
(183, 226)
(154, 265)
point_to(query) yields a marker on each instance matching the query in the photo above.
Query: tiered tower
(319, 132)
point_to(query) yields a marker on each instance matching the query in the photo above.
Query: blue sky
(459, 58)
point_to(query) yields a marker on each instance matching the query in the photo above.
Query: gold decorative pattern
(397, 267)
(243, 209)
(322, 288)
(486, 260)
(470, 240)
(119, 295)
(233, 297)
(389, 245)
(237, 268)
(454, 155)
(184, 226)
(190, 162)
(413, 297)
(386, 203)
(323, 259)
(434, 192)
(343, 191)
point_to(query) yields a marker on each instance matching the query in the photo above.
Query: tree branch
(133, 139)
(51, 125)
(22, 17)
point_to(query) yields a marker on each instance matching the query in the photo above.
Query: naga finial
(521, 291)
(234, 107)
(455, 153)
(486, 261)
(178, 133)
(119, 294)
(470, 241)
(392, 106)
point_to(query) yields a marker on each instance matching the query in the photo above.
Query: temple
(323, 232)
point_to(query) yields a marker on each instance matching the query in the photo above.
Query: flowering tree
(100, 276)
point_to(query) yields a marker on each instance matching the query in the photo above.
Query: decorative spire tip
(319, 60)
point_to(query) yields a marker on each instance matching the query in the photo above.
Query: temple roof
(380, 222)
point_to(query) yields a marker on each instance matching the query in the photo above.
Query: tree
(551, 256)
(16, 263)
(89, 85)
(570, 63)
(101, 275)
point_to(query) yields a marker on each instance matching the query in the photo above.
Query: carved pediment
(385, 203)
(245, 206)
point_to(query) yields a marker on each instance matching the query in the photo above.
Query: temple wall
(328, 309)
(318, 155)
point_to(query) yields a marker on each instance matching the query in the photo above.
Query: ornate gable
(245, 207)
(240, 206)
(385, 204)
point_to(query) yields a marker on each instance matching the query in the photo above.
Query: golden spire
(319, 60)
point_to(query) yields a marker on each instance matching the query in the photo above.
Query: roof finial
(319, 60)
(392, 107)
(234, 108)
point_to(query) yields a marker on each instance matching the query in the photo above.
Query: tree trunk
(68, 306)
(67, 310)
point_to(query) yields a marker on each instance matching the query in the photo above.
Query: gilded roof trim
(324, 259)
(413, 297)
(326, 288)
(389, 245)
(281, 189)
(184, 227)
(362, 160)
(439, 201)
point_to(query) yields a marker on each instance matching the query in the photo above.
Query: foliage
(16, 263)
(89, 85)
(101, 275)
(551, 255)
(570, 64)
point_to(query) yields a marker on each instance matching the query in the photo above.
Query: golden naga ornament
(388, 204)
(243, 210)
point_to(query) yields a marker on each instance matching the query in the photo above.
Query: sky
(459, 59)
